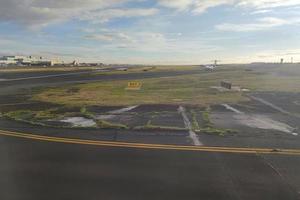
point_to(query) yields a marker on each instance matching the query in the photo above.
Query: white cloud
(262, 4)
(177, 4)
(36, 13)
(108, 14)
(261, 12)
(196, 6)
(151, 42)
(110, 37)
(261, 24)
(200, 6)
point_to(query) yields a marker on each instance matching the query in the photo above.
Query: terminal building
(27, 61)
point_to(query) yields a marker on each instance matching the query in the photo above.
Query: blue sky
(152, 31)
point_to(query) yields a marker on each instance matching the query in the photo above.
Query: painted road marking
(270, 104)
(112, 114)
(228, 107)
(295, 152)
(122, 110)
(188, 125)
(262, 122)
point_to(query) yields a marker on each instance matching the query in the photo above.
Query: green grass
(195, 123)
(22, 116)
(86, 113)
(206, 118)
(107, 125)
(187, 89)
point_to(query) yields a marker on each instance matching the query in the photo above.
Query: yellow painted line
(295, 152)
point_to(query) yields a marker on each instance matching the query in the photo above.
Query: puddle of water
(79, 121)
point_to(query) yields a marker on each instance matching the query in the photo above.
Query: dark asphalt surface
(47, 170)
(42, 170)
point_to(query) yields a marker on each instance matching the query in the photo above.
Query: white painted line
(228, 107)
(188, 125)
(113, 113)
(270, 104)
(260, 121)
(119, 111)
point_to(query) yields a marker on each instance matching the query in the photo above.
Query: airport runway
(46, 166)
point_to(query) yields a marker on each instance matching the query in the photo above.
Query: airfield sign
(134, 85)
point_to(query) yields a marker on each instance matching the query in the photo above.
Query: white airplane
(213, 66)
(210, 67)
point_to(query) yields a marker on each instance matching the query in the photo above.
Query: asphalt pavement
(45, 170)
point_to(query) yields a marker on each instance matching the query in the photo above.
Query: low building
(8, 60)
(27, 61)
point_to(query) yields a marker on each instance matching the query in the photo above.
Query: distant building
(8, 60)
(27, 60)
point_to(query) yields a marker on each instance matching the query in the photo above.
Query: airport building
(27, 61)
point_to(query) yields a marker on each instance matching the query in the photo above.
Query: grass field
(186, 89)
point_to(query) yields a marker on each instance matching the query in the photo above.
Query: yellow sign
(134, 85)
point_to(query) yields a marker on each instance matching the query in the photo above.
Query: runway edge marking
(295, 152)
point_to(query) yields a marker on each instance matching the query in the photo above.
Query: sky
(152, 31)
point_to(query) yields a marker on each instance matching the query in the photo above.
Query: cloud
(150, 42)
(196, 6)
(260, 12)
(106, 15)
(200, 6)
(37, 13)
(177, 4)
(263, 4)
(110, 37)
(261, 24)
(276, 53)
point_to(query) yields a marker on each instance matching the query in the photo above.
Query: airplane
(210, 67)
(213, 66)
